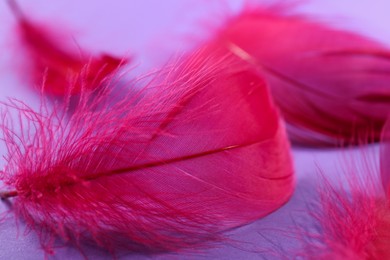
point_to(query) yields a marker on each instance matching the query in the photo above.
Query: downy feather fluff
(54, 59)
(352, 217)
(198, 149)
(332, 86)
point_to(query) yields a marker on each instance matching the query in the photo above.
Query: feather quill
(199, 149)
(332, 86)
(54, 61)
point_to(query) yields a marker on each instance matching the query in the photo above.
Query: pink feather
(197, 150)
(332, 86)
(352, 220)
(57, 63)
(385, 157)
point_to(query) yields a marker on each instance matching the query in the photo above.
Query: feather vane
(331, 85)
(62, 67)
(198, 149)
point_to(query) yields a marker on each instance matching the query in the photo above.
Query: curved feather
(332, 86)
(56, 62)
(197, 150)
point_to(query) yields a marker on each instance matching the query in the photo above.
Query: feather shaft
(199, 149)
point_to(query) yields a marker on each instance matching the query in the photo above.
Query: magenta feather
(332, 86)
(51, 58)
(352, 215)
(198, 149)
(385, 157)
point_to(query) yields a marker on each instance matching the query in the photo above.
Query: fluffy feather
(332, 86)
(352, 217)
(57, 63)
(199, 149)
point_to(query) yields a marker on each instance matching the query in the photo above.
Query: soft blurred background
(152, 32)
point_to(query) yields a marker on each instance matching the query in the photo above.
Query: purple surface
(153, 31)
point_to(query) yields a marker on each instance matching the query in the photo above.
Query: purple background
(153, 31)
